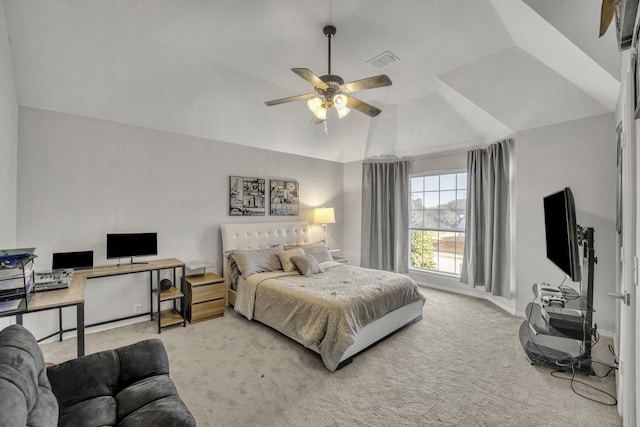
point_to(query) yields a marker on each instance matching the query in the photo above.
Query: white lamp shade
(324, 216)
(342, 112)
(314, 104)
(321, 114)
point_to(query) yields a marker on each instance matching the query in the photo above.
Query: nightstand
(205, 297)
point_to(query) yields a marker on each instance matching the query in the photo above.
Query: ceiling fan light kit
(331, 90)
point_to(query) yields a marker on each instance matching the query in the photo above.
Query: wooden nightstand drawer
(207, 292)
(205, 296)
(204, 279)
(207, 310)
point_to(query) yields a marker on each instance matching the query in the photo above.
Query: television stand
(562, 336)
(567, 348)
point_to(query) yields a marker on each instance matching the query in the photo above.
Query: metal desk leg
(158, 292)
(151, 294)
(80, 327)
(19, 318)
(182, 289)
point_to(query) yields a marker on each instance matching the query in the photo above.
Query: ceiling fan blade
(362, 106)
(606, 14)
(368, 83)
(306, 74)
(291, 99)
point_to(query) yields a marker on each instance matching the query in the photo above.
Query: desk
(74, 294)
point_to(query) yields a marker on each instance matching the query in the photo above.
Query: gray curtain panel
(385, 215)
(487, 258)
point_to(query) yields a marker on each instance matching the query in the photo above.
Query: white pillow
(256, 261)
(285, 258)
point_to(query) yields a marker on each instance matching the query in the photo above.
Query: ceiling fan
(606, 14)
(332, 91)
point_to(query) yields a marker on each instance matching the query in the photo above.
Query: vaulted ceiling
(469, 71)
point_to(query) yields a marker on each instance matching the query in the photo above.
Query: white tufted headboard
(264, 235)
(261, 236)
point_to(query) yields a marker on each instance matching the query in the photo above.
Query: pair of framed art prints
(247, 197)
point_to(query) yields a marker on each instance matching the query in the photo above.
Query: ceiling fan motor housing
(329, 93)
(332, 79)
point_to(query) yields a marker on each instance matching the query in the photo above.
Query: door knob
(624, 297)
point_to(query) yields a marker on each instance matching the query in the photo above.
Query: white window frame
(458, 209)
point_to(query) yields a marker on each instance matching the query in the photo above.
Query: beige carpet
(462, 365)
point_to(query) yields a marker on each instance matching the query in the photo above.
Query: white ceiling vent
(384, 59)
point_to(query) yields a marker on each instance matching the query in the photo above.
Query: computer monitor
(125, 245)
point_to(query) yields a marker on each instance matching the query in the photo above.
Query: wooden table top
(74, 294)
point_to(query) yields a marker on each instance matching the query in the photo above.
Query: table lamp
(324, 216)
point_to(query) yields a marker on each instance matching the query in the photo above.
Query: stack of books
(16, 278)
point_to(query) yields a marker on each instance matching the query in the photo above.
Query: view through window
(436, 229)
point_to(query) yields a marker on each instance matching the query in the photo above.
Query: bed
(337, 311)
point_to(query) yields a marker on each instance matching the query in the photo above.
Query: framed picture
(246, 196)
(284, 197)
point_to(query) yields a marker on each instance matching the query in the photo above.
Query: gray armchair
(128, 386)
(25, 392)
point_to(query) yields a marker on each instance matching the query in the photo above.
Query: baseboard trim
(502, 303)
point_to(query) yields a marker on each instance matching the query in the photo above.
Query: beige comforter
(324, 310)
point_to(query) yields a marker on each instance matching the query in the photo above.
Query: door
(630, 239)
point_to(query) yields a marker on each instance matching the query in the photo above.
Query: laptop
(63, 265)
(76, 260)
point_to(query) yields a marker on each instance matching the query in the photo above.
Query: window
(436, 228)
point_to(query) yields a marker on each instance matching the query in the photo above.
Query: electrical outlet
(137, 308)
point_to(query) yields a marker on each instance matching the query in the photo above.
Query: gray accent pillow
(257, 261)
(234, 271)
(318, 250)
(285, 258)
(307, 264)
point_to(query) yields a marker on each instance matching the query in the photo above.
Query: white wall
(8, 146)
(81, 178)
(352, 202)
(581, 155)
(8, 140)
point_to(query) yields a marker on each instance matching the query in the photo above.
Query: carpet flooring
(461, 365)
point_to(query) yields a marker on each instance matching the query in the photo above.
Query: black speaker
(165, 284)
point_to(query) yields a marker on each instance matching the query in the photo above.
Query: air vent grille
(384, 59)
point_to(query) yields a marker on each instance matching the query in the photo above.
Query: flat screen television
(129, 245)
(561, 232)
